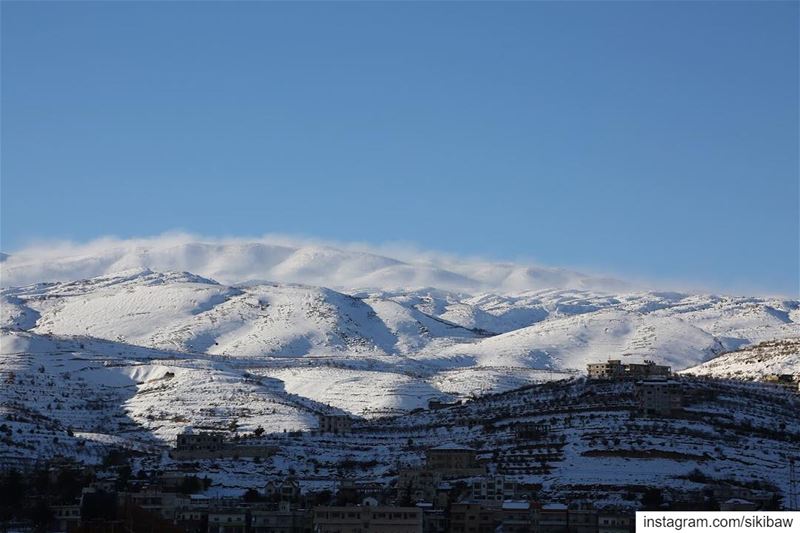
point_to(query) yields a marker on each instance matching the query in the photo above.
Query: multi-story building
(552, 518)
(659, 396)
(647, 370)
(492, 489)
(367, 519)
(433, 520)
(204, 441)
(227, 521)
(472, 517)
(284, 519)
(615, 522)
(417, 484)
(582, 519)
(66, 517)
(454, 460)
(615, 370)
(337, 424)
(159, 502)
(610, 370)
(212, 445)
(531, 430)
(516, 517)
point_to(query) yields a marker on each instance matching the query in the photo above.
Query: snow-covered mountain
(548, 329)
(132, 357)
(557, 329)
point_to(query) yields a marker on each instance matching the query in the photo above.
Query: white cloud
(284, 258)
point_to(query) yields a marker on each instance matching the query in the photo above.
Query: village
(455, 486)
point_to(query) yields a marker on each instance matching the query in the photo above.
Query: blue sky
(650, 140)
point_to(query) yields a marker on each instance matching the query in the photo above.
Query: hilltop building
(615, 370)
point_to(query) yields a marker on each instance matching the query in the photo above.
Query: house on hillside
(531, 430)
(615, 370)
(337, 424)
(454, 460)
(189, 441)
(788, 381)
(662, 397)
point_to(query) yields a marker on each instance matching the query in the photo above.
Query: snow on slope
(179, 311)
(103, 389)
(572, 342)
(754, 362)
(549, 329)
(367, 393)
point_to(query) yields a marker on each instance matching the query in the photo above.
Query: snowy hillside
(431, 329)
(134, 357)
(753, 362)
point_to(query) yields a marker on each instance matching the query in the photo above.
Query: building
(788, 381)
(552, 518)
(211, 445)
(659, 397)
(433, 520)
(417, 484)
(284, 519)
(471, 517)
(582, 519)
(492, 489)
(203, 445)
(516, 517)
(454, 460)
(204, 441)
(438, 403)
(615, 522)
(350, 491)
(287, 490)
(156, 501)
(531, 430)
(337, 424)
(610, 370)
(615, 370)
(192, 516)
(66, 517)
(227, 521)
(646, 370)
(367, 519)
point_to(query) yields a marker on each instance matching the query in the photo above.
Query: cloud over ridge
(285, 259)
